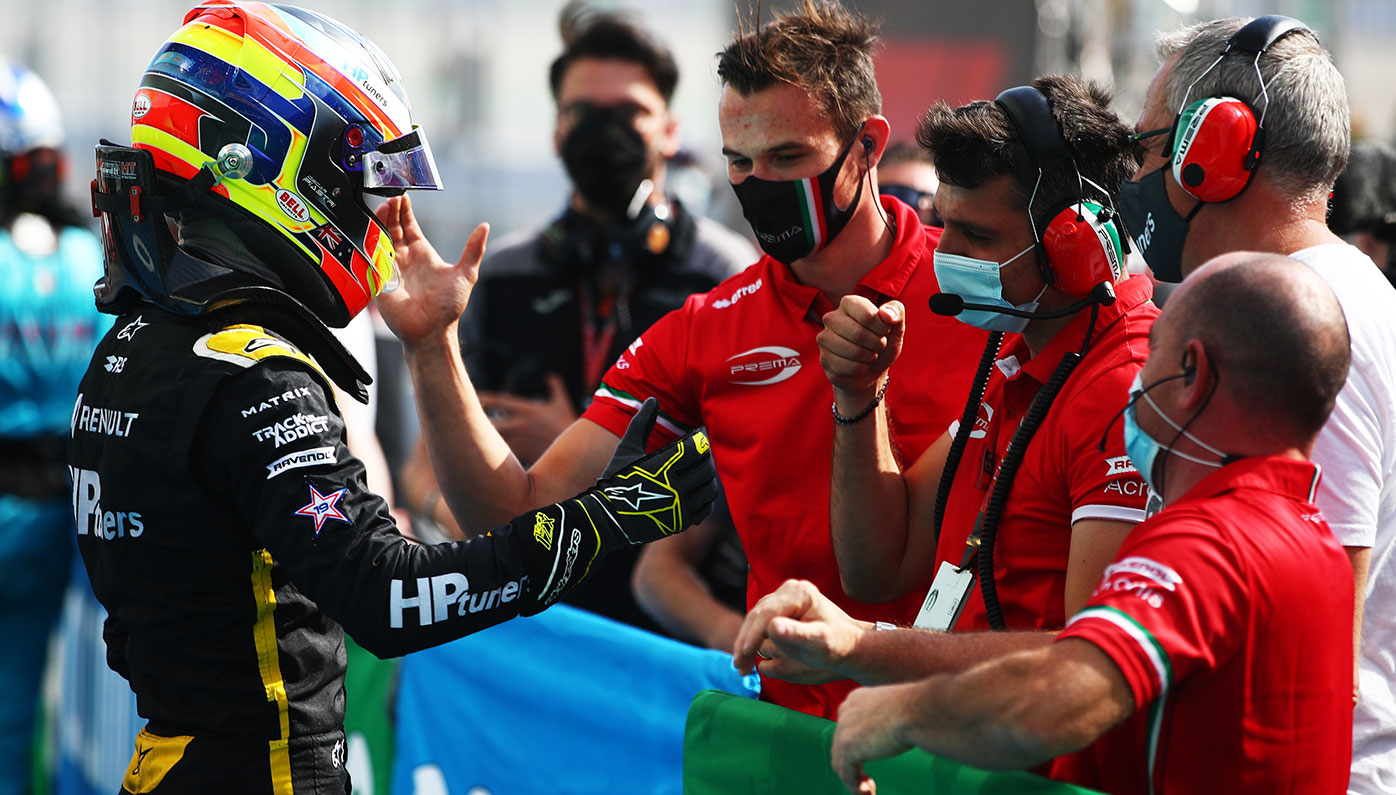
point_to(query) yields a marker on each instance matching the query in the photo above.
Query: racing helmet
(31, 136)
(269, 123)
(29, 116)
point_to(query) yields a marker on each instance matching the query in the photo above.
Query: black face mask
(607, 160)
(1157, 229)
(793, 219)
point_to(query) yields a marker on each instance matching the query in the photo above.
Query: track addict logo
(295, 427)
(437, 595)
(768, 364)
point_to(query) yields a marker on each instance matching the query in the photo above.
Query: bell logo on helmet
(141, 106)
(292, 205)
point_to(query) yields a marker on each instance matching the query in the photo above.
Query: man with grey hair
(1198, 194)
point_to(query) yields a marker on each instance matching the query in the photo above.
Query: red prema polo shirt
(1064, 476)
(1230, 616)
(742, 360)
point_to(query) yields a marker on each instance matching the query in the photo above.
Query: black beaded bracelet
(860, 416)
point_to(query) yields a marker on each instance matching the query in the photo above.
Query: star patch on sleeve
(323, 507)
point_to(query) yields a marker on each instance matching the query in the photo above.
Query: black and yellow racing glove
(640, 498)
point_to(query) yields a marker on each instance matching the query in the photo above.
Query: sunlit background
(476, 71)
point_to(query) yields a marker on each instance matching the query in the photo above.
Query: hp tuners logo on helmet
(768, 364)
(292, 205)
(435, 596)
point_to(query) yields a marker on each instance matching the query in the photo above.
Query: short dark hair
(612, 36)
(978, 142)
(1280, 341)
(823, 48)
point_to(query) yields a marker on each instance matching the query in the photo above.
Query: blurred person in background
(909, 172)
(49, 325)
(554, 307)
(225, 526)
(1363, 207)
(803, 133)
(1245, 130)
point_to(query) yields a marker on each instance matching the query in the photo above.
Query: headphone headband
(1261, 33)
(1030, 114)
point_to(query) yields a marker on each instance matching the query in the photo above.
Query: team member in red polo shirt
(1041, 495)
(1220, 633)
(1036, 505)
(802, 133)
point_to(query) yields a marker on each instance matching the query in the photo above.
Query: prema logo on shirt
(768, 364)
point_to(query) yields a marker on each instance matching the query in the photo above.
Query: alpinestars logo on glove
(650, 494)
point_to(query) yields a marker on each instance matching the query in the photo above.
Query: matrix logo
(769, 364)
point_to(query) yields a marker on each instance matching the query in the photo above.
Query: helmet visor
(404, 163)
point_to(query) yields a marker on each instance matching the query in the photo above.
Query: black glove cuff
(560, 543)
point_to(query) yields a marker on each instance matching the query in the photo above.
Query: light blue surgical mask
(1144, 451)
(977, 282)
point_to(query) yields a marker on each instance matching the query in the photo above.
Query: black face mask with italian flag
(793, 219)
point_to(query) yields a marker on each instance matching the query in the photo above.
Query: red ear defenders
(1216, 142)
(1080, 246)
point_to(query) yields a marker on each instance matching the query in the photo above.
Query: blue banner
(563, 702)
(95, 715)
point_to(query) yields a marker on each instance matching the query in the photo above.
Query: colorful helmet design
(29, 116)
(274, 120)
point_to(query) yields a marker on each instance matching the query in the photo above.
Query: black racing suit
(230, 534)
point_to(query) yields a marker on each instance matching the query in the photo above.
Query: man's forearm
(884, 657)
(1019, 710)
(479, 478)
(867, 507)
(981, 718)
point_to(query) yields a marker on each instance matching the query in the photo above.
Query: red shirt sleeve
(1102, 484)
(657, 364)
(1172, 604)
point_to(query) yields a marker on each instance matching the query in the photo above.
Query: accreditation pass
(946, 598)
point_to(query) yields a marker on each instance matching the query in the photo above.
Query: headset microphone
(950, 304)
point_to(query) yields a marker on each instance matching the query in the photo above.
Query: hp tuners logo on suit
(435, 596)
(91, 518)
